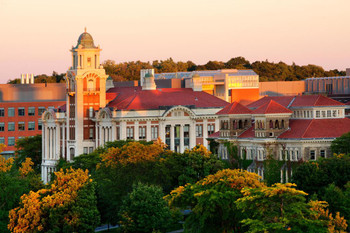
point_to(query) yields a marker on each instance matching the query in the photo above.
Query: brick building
(21, 109)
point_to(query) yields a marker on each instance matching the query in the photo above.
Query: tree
(29, 147)
(212, 201)
(68, 205)
(282, 208)
(341, 144)
(14, 182)
(145, 210)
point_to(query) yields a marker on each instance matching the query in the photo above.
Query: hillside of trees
(267, 71)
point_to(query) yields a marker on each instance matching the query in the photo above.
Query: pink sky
(36, 35)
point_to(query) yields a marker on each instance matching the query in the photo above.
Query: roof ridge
(291, 102)
(307, 128)
(317, 100)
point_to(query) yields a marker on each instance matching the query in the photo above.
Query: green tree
(145, 210)
(212, 201)
(341, 144)
(29, 147)
(280, 208)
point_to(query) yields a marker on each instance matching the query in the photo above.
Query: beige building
(291, 128)
(96, 113)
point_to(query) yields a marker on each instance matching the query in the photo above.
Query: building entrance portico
(177, 137)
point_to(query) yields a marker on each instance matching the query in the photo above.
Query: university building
(95, 112)
(286, 127)
(21, 109)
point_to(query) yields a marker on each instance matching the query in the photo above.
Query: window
(129, 132)
(323, 153)
(199, 130)
(154, 132)
(317, 114)
(91, 112)
(85, 150)
(11, 112)
(210, 129)
(21, 126)
(323, 113)
(2, 126)
(329, 113)
(89, 62)
(31, 125)
(312, 155)
(2, 140)
(31, 111)
(21, 112)
(334, 113)
(40, 125)
(2, 112)
(11, 126)
(91, 133)
(142, 132)
(91, 149)
(11, 141)
(41, 110)
(90, 85)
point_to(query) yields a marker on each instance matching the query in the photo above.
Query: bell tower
(86, 93)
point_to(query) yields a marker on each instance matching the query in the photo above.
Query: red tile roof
(214, 135)
(296, 101)
(317, 128)
(249, 133)
(314, 100)
(282, 100)
(271, 107)
(234, 108)
(134, 98)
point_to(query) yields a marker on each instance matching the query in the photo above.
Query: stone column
(161, 132)
(49, 143)
(96, 135)
(205, 133)
(172, 141)
(122, 130)
(100, 135)
(217, 125)
(182, 143)
(58, 141)
(114, 132)
(136, 130)
(192, 134)
(63, 141)
(148, 131)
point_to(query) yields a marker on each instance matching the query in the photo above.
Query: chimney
(143, 73)
(148, 82)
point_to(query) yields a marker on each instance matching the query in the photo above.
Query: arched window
(245, 123)
(90, 85)
(282, 124)
(234, 124)
(271, 124)
(240, 126)
(276, 124)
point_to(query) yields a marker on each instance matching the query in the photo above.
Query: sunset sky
(36, 35)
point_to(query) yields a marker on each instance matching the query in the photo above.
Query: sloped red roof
(134, 98)
(317, 128)
(214, 135)
(249, 133)
(271, 107)
(347, 103)
(282, 100)
(314, 100)
(234, 108)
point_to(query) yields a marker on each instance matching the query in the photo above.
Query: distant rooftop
(336, 77)
(204, 73)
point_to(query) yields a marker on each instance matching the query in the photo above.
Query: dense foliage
(145, 210)
(268, 71)
(68, 205)
(212, 201)
(29, 147)
(282, 208)
(341, 144)
(132, 162)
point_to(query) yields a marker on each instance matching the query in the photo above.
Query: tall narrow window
(89, 61)
(90, 85)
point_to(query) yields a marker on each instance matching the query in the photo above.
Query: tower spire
(85, 29)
